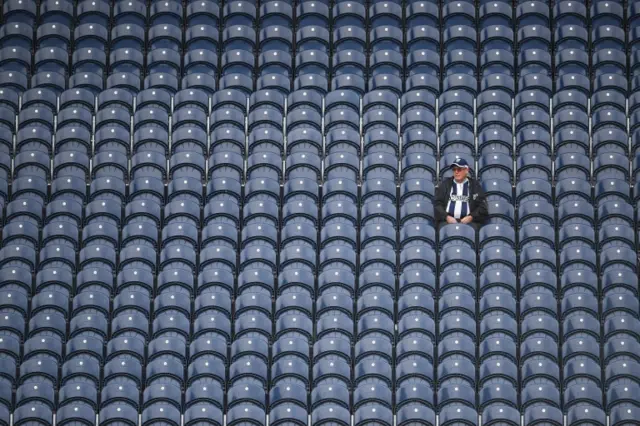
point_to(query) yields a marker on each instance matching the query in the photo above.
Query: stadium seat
(205, 198)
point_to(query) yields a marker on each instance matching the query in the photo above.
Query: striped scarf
(459, 199)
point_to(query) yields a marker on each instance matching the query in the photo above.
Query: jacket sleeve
(439, 203)
(481, 209)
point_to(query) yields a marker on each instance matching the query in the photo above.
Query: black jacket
(477, 204)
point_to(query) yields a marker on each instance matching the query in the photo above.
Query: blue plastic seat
(130, 13)
(91, 34)
(535, 13)
(418, 13)
(33, 413)
(573, 37)
(495, 14)
(572, 101)
(203, 413)
(606, 14)
(54, 35)
(203, 13)
(570, 14)
(533, 37)
(461, 13)
(310, 41)
(16, 35)
(14, 11)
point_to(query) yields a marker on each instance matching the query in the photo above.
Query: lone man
(461, 198)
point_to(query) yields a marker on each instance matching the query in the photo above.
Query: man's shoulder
(476, 182)
(476, 186)
(446, 183)
(472, 181)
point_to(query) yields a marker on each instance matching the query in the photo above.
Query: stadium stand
(220, 213)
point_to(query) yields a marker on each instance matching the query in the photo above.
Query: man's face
(460, 173)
